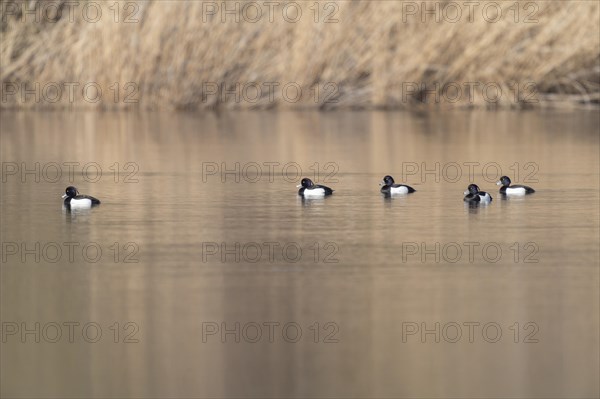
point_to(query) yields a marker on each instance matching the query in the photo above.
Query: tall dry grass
(377, 54)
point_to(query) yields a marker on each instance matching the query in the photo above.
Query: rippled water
(187, 251)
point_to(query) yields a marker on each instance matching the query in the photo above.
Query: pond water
(203, 274)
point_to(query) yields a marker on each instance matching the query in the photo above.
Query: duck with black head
(75, 200)
(474, 195)
(516, 189)
(308, 189)
(391, 188)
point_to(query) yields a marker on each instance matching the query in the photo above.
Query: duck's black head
(306, 183)
(504, 181)
(473, 189)
(388, 180)
(71, 192)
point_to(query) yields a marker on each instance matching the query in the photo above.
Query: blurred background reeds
(342, 54)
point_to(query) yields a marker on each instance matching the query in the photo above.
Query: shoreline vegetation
(158, 54)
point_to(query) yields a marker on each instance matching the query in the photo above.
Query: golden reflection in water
(370, 293)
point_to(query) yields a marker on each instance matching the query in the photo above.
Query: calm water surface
(372, 272)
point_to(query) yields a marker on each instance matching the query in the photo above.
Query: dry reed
(378, 54)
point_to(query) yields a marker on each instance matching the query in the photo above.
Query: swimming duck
(388, 187)
(310, 189)
(517, 189)
(75, 200)
(474, 195)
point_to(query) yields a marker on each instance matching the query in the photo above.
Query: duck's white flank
(315, 192)
(516, 191)
(399, 190)
(485, 198)
(81, 203)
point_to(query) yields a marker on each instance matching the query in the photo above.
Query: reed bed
(342, 54)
